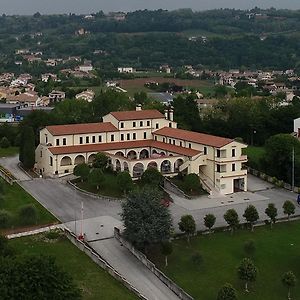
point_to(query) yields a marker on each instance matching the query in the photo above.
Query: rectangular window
(156, 125)
(170, 125)
(100, 138)
(133, 124)
(190, 145)
(128, 136)
(93, 139)
(57, 142)
(173, 142)
(218, 153)
(64, 141)
(112, 137)
(122, 125)
(148, 123)
(205, 150)
(46, 138)
(122, 137)
(51, 161)
(218, 168)
(155, 138)
(141, 124)
(164, 140)
(134, 136)
(233, 152)
(145, 135)
(81, 140)
(233, 167)
(170, 141)
(87, 139)
(41, 154)
(180, 143)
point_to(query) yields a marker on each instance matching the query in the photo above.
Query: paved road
(11, 164)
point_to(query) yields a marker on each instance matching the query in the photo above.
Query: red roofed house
(141, 139)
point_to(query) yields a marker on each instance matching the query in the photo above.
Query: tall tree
(247, 272)
(227, 292)
(289, 280)
(232, 219)
(271, 212)
(152, 177)
(192, 182)
(146, 220)
(187, 225)
(166, 249)
(251, 215)
(124, 181)
(83, 171)
(209, 221)
(27, 147)
(100, 161)
(96, 178)
(288, 208)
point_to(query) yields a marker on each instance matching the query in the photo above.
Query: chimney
(138, 107)
(171, 114)
(166, 114)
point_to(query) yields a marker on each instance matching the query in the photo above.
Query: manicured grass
(277, 251)
(10, 151)
(94, 282)
(15, 197)
(255, 154)
(109, 187)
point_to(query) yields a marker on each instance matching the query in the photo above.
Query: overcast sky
(87, 6)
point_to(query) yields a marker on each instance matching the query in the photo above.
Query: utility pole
(293, 169)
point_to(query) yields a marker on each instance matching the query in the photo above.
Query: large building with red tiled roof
(141, 139)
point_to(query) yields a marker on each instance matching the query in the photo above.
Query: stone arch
(120, 153)
(132, 154)
(91, 158)
(118, 165)
(154, 151)
(126, 167)
(79, 159)
(138, 170)
(177, 164)
(66, 161)
(165, 167)
(162, 153)
(152, 164)
(144, 154)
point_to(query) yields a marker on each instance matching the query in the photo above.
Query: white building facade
(142, 139)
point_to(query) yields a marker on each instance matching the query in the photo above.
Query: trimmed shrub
(53, 234)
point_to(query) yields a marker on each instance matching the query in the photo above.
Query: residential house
(87, 95)
(56, 96)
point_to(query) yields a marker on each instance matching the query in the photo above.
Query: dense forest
(216, 39)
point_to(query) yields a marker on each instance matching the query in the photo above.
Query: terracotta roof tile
(81, 128)
(122, 145)
(196, 137)
(137, 114)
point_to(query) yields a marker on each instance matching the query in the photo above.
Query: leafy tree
(192, 182)
(232, 219)
(247, 272)
(83, 171)
(251, 215)
(100, 161)
(146, 221)
(187, 225)
(28, 214)
(96, 178)
(209, 221)
(27, 147)
(4, 143)
(34, 277)
(289, 280)
(271, 212)
(288, 208)
(124, 181)
(151, 177)
(227, 292)
(166, 250)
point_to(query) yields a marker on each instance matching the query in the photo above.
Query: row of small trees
(187, 223)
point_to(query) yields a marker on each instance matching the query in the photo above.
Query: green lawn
(277, 251)
(10, 151)
(255, 154)
(109, 188)
(15, 197)
(180, 183)
(93, 280)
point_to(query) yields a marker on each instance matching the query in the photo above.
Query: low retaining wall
(143, 259)
(74, 186)
(270, 179)
(170, 186)
(7, 176)
(88, 250)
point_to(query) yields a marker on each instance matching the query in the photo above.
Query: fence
(143, 259)
(88, 250)
(170, 186)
